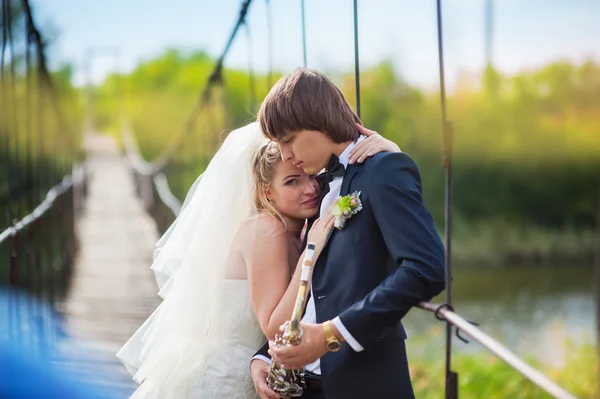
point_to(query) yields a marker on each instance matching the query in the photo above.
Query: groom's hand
(312, 346)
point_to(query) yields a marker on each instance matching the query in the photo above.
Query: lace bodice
(237, 317)
(225, 369)
(227, 372)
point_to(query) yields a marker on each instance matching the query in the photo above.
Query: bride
(226, 270)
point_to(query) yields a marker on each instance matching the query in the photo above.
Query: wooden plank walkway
(113, 289)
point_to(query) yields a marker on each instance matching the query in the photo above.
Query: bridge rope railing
(146, 171)
(31, 250)
(19, 226)
(443, 312)
(149, 175)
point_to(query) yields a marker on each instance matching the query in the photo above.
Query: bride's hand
(320, 231)
(370, 146)
(259, 369)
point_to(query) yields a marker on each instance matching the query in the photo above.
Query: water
(534, 311)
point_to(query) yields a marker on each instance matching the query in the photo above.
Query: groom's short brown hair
(307, 100)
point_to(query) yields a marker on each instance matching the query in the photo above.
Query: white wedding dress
(200, 340)
(226, 371)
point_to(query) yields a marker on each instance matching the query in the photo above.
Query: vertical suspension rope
(251, 80)
(356, 59)
(13, 128)
(47, 164)
(451, 377)
(303, 34)
(6, 133)
(29, 236)
(28, 122)
(270, 39)
(41, 140)
(489, 32)
(4, 28)
(44, 176)
(11, 121)
(597, 286)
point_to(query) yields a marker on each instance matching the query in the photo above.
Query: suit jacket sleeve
(263, 352)
(411, 239)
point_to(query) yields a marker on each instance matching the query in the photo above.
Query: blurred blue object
(25, 376)
(39, 360)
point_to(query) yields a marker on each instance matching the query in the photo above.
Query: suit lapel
(350, 173)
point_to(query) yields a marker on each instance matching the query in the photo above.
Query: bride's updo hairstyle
(263, 168)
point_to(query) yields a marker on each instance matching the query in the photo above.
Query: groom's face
(306, 149)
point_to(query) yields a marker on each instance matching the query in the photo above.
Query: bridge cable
(216, 77)
(451, 377)
(356, 59)
(6, 133)
(270, 45)
(251, 78)
(28, 124)
(66, 139)
(303, 33)
(12, 117)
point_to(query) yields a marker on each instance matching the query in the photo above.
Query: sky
(122, 33)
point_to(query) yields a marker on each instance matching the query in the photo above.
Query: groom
(386, 258)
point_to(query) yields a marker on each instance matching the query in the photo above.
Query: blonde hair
(263, 168)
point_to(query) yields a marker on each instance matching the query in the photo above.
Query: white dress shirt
(310, 316)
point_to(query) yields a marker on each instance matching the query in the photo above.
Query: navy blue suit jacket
(387, 258)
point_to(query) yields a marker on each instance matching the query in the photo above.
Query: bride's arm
(269, 275)
(373, 144)
(273, 292)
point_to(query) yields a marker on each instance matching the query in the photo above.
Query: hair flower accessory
(345, 207)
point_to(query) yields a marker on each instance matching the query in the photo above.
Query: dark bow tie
(334, 169)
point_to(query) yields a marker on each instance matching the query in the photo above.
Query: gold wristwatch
(333, 344)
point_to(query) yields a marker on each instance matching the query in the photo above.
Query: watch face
(334, 346)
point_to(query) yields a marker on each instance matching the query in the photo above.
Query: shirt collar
(345, 155)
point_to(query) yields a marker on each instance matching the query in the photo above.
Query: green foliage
(526, 147)
(41, 136)
(482, 375)
(526, 150)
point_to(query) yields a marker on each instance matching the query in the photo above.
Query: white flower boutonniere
(345, 207)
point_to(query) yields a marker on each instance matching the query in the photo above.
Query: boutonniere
(345, 207)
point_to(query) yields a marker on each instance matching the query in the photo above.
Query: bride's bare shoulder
(262, 234)
(261, 226)
(268, 226)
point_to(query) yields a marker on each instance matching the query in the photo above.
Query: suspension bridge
(82, 220)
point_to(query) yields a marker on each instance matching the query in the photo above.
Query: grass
(482, 375)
